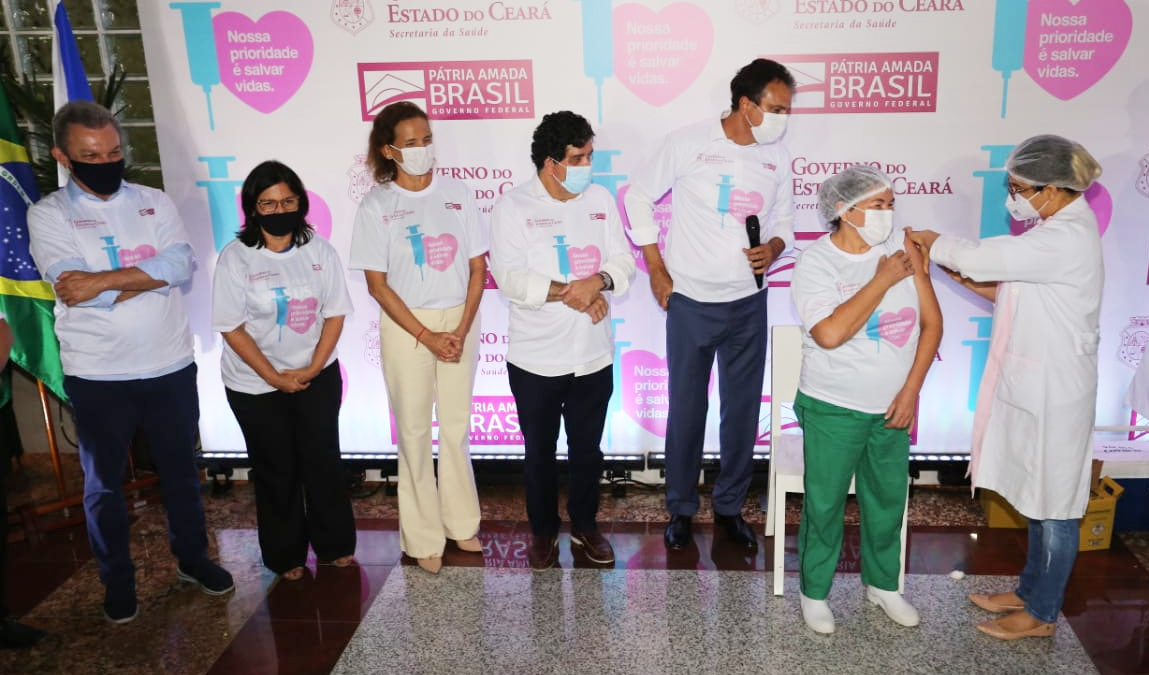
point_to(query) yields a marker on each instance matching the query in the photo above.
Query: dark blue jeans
(697, 332)
(1052, 551)
(108, 413)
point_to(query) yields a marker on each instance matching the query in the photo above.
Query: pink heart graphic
(318, 213)
(658, 55)
(440, 251)
(661, 218)
(301, 314)
(1099, 200)
(1066, 69)
(584, 261)
(896, 327)
(263, 62)
(744, 203)
(132, 256)
(646, 390)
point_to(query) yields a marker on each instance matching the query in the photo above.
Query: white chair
(786, 455)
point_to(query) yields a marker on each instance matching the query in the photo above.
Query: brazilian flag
(25, 298)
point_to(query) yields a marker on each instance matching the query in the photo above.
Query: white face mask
(416, 160)
(879, 223)
(771, 129)
(1020, 208)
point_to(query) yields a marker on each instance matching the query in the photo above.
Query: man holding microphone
(729, 175)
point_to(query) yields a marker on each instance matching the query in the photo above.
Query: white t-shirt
(281, 299)
(141, 336)
(717, 184)
(536, 239)
(423, 240)
(866, 372)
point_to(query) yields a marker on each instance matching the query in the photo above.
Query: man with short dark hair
(115, 253)
(557, 250)
(723, 172)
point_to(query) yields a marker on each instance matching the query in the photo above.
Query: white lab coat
(1037, 442)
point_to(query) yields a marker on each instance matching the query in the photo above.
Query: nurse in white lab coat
(1032, 437)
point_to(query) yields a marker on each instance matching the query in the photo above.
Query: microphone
(753, 232)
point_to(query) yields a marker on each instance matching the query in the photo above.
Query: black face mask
(279, 224)
(103, 179)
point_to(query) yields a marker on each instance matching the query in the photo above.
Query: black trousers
(580, 403)
(301, 494)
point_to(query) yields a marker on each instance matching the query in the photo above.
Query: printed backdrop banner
(934, 92)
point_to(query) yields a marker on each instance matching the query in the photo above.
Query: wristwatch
(607, 282)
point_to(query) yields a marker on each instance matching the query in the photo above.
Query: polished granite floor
(348, 620)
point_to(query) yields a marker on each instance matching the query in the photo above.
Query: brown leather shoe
(994, 628)
(543, 552)
(986, 602)
(595, 546)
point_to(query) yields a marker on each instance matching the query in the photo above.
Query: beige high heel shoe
(432, 564)
(472, 545)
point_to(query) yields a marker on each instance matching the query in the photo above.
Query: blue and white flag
(69, 82)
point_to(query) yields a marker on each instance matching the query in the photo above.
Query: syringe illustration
(113, 252)
(994, 217)
(564, 259)
(1008, 42)
(416, 239)
(979, 354)
(597, 43)
(221, 200)
(724, 190)
(200, 38)
(615, 403)
(600, 167)
(874, 327)
(280, 309)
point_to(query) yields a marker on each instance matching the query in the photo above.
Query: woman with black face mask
(279, 299)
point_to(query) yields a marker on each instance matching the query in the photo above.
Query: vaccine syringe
(1009, 42)
(994, 218)
(221, 193)
(200, 38)
(597, 43)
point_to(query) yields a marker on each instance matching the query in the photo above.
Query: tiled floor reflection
(274, 626)
(619, 622)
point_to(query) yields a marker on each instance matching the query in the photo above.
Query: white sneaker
(894, 605)
(817, 615)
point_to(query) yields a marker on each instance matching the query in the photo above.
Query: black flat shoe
(15, 635)
(677, 535)
(737, 531)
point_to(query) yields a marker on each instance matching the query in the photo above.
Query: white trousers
(430, 512)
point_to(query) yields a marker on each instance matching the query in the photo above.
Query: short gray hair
(85, 113)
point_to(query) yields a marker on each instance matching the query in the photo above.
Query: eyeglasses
(269, 205)
(1015, 190)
